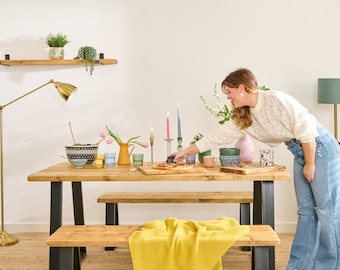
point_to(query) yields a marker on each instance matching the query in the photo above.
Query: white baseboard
(17, 228)
(285, 227)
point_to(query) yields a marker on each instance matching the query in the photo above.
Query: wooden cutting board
(253, 168)
(148, 170)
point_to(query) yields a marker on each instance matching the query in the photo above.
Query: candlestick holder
(168, 146)
(179, 144)
(152, 139)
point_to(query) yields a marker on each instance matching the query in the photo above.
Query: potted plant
(56, 43)
(88, 55)
(124, 151)
(197, 137)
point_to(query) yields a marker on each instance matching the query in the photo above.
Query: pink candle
(168, 126)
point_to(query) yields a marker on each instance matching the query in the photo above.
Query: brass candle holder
(152, 139)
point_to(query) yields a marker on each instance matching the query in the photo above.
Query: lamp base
(7, 239)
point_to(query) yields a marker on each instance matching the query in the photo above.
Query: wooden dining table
(263, 188)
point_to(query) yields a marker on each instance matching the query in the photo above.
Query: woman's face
(235, 96)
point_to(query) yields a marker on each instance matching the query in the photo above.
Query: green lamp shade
(329, 90)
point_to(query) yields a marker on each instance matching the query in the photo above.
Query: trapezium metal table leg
(245, 218)
(264, 209)
(78, 209)
(55, 221)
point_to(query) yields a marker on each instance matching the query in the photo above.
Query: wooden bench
(111, 199)
(70, 238)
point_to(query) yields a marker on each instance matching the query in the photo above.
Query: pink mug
(209, 161)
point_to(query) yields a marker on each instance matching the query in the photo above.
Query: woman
(273, 117)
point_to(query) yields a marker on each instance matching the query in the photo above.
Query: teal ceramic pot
(201, 155)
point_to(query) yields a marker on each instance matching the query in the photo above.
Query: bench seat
(70, 238)
(176, 197)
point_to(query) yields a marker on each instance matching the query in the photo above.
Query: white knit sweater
(277, 118)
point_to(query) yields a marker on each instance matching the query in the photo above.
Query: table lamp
(65, 91)
(329, 93)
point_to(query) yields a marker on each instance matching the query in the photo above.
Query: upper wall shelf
(55, 62)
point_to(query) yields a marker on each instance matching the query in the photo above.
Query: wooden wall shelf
(55, 62)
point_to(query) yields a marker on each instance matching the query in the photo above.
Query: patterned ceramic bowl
(230, 160)
(84, 151)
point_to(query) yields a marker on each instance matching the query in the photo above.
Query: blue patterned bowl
(230, 160)
(85, 151)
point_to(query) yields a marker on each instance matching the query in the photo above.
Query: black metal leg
(261, 258)
(111, 217)
(111, 214)
(268, 215)
(257, 205)
(78, 210)
(263, 212)
(245, 218)
(67, 258)
(77, 257)
(55, 221)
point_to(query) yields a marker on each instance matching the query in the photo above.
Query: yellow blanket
(174, 244)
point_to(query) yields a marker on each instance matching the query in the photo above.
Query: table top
(65, 172)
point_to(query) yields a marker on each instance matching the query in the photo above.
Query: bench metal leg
(111, 217)
(69, 258)
(261, 259)
(111, 214)
(245, 218)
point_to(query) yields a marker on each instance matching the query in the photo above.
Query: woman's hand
(309, 168)
(309, 171)
(181, 155)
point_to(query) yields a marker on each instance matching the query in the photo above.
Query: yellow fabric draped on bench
(175, 244)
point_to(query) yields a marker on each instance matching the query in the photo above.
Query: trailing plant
(57, 40)
(88, 55)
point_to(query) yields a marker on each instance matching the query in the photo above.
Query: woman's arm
(309, 168)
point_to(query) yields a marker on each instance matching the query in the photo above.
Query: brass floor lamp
(65, 90)
(329, 93)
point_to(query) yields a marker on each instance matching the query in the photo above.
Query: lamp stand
(336, 121)
(5, 238)
(65, 90)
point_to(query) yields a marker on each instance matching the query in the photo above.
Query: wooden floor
(32, 254)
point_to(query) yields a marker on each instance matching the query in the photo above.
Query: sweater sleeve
(225, 134)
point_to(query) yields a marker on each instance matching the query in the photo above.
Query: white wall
(168, 51)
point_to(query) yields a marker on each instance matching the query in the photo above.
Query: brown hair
(241, 116)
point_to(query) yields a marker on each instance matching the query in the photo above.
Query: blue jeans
(316, 245)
